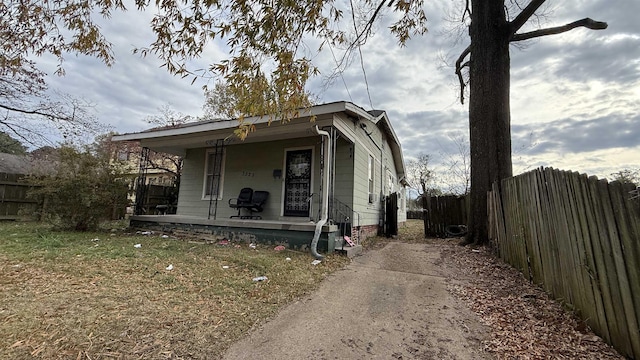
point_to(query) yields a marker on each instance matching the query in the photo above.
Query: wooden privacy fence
(579, 238)
(151, 196)
(442, 211)
(13, 196)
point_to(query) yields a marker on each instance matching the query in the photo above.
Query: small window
(214, 167)
(123, 155)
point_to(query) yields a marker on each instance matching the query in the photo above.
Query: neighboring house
(30, 164)
(15, 164)
(335, 171)
(160, 169)
(154, 177)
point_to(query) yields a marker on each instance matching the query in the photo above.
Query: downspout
(324, 215)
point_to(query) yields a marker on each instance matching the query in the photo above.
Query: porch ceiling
(178, 144)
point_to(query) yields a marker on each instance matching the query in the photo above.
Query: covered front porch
(305, 173)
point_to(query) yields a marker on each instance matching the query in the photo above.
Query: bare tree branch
(24, 111)
(367, 28)
(586, 22)
(524, 15)
(17, 130)
(467, 10)
(459, 66)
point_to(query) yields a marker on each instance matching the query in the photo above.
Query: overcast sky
(575, 97)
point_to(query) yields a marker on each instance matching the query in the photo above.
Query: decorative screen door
(297, 185)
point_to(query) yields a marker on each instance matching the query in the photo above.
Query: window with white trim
(213, 174)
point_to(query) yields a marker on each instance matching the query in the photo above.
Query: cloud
(575, 95)
(135, 86)
(577, 136)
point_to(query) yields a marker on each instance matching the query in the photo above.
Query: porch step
(350, 251)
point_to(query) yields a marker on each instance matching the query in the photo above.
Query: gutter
(325, 194)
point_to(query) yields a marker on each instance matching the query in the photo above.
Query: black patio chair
(257, 203)
(243, 201)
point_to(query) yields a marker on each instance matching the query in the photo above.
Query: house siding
(245, 165)
(344, 176)
(365, 146)
(369, 212)
(251, 163)
(191, 184)
(395, 187)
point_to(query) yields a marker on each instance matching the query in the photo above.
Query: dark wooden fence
(391, 215)
(14, 203)
(13, 196)
(154, 195)
(442, 211)
(579, 238)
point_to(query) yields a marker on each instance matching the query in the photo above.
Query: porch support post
(141, 186)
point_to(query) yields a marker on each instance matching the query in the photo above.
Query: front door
(297, 185)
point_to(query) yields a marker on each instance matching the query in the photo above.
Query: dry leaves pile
(524, 322)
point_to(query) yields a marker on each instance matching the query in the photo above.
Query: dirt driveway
(390, 303)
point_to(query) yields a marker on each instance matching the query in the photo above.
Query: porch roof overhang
(176, 140)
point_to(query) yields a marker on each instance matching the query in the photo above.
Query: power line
(357, 42)
(339, 70)
(366, 82)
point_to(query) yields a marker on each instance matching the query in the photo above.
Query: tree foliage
(456, 177)
(220, 103)
(9, 145)
(267, 69)
(84, 189)
(268, 64)
(52, 27)
(168, 117)
(419, 174)
(627, 176)
(27, 28)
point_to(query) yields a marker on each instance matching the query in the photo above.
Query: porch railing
(346, 219)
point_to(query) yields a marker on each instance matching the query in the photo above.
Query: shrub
(82, 190)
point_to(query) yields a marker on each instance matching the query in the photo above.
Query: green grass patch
(96, 295)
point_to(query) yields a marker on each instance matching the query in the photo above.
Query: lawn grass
(96, 296)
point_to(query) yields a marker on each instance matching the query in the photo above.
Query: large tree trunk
(489, 112)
